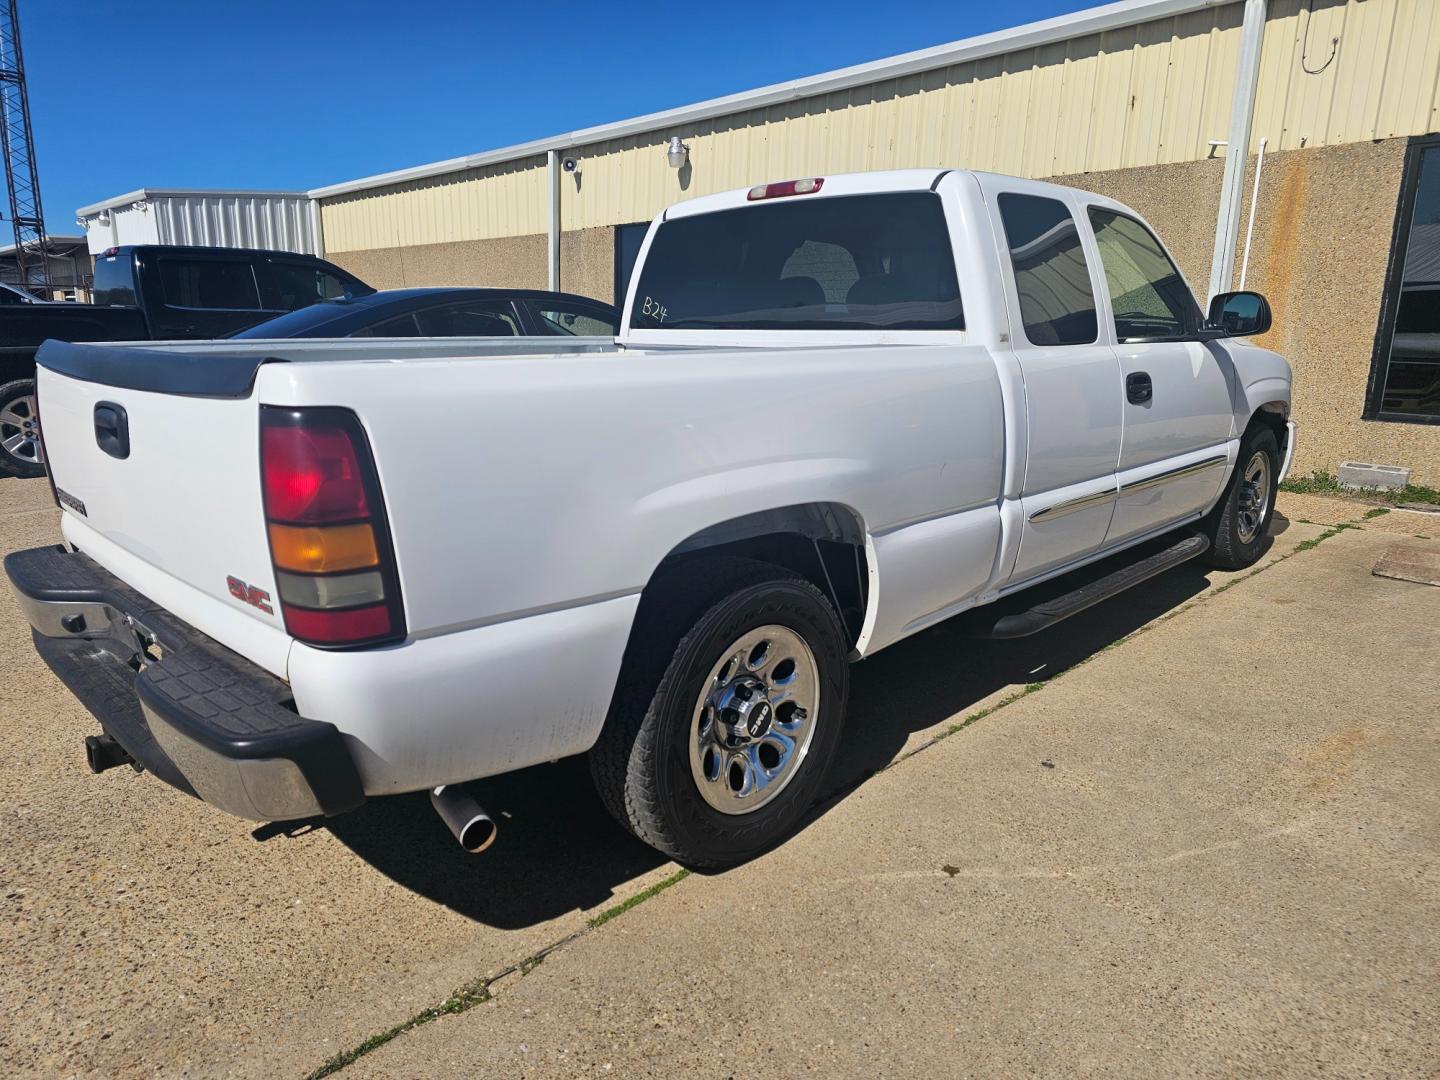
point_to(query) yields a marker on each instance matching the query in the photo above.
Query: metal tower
(20, 174)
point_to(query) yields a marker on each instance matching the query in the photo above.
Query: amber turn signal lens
(319, 549)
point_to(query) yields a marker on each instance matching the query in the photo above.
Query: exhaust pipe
(102, 752)
(462, 815)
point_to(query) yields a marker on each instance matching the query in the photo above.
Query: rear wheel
(728, 714)
(20, 452)
(1239, 526)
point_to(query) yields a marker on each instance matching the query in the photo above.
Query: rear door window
(857, 262)
(1057, 302)
(560, 317)
(400, 326)
(292, 285)
(472, 319)
(208, 283)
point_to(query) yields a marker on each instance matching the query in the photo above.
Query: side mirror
(1238, 314)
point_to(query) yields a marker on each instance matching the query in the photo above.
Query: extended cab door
(1072, 379)
(1177, 404)
(199, 295)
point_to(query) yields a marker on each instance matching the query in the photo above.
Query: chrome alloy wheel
(754, 720)
(20, 430)
(1254, 497)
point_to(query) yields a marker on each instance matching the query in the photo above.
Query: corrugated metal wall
(280, 223)
(1150, 94)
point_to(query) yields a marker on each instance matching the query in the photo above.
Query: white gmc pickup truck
(300, 574)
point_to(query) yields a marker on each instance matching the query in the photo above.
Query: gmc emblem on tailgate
(250, 594)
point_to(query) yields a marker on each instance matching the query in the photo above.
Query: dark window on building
(1405, 372)
(209, 283)
(628, 239)
(1057, 302)
(857, 262)
(1149, 297)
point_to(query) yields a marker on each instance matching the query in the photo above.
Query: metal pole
(552, 168)
(1254, 205)
(1242, 113)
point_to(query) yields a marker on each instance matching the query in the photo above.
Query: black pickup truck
(152, 292)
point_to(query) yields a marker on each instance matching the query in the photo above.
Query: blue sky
(268, 94)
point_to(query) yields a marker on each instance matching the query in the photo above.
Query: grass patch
(639, 898)
(1376, 512)
(1316, 541)
(467, 997)
(1324, 483)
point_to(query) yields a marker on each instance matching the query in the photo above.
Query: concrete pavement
(144, 933)
(1211, 851)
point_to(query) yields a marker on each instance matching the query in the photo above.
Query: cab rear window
(862, 262)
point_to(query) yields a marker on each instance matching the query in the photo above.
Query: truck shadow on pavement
(559, 851)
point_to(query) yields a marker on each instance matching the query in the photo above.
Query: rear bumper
(195, 714)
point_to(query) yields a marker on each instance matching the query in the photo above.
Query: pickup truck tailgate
(163, 488)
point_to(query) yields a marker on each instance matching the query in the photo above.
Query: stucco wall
(1322, 238)
(587, 263)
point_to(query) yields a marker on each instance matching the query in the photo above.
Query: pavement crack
(482, 990)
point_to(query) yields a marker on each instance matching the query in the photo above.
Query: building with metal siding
(1151, 92)
(279, 220)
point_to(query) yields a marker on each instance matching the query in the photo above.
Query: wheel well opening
(1272, 415)
(824, 543)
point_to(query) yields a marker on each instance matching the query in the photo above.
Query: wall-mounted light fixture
(677, 153)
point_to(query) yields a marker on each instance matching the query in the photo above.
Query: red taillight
(312, 476)
(808, 186)
(321, 493)
(337, 627)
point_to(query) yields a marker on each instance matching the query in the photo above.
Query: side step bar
(1050, 612)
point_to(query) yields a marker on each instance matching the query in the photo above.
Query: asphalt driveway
(1194, 831)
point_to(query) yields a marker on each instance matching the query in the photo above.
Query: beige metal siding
(475, 204)
(1148, 94)
(1138, 96)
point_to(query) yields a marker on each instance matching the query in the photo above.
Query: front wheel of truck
(728, 712)
(1239, 526)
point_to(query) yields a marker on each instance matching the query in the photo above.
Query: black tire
(1237, 539)
(22, 456)
(642, 762)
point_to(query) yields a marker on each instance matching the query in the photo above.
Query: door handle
(1138, 387)
(112, 429)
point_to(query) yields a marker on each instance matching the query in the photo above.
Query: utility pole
(26, 217)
